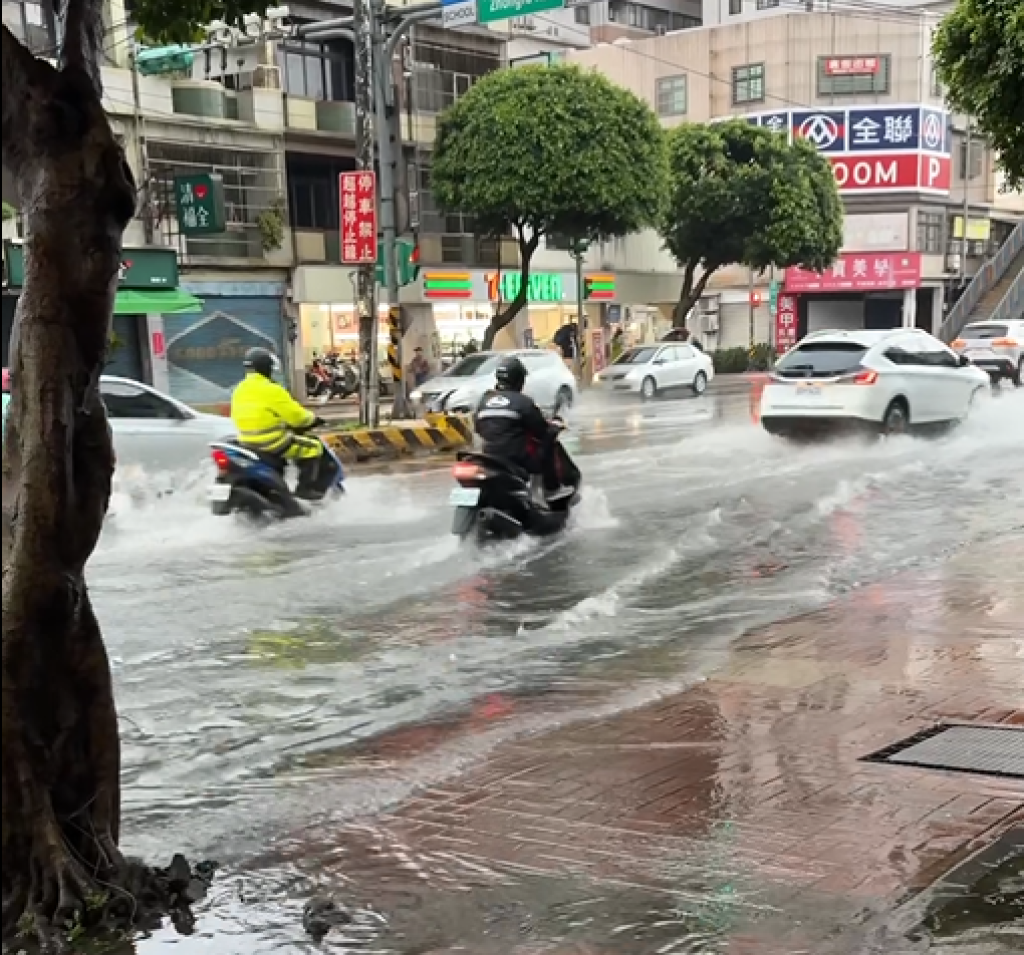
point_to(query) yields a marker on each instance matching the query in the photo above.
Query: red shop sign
(358, 217)
(893, 172)
(857, 272)
(787, 321)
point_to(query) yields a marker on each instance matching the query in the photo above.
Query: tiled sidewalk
(743, 807)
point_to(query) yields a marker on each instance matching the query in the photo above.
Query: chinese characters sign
(200, 204)
(875, 149)
(787, 322)
(853, 65)
(855, 272)
(358, 217)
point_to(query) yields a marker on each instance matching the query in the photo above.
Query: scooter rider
(271, 422)
(514, 429)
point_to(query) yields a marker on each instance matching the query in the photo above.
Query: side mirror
(965, 362)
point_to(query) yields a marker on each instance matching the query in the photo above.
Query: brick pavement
(743, 807)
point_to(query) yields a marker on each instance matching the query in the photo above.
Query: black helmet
(262, 361)
(511, 374)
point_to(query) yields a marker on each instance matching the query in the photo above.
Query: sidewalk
(738, 818)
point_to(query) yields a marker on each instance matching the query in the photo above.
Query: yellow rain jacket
(267, 417)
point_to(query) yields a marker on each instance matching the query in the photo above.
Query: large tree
(739, 194)
(979, 54)
(549, 150)
(61, 753)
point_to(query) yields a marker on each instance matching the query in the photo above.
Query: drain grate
(982, 750)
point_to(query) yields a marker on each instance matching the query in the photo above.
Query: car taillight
(959, 343)
(222, 461)
(465, 471)
(1005, 343)
(866, 377)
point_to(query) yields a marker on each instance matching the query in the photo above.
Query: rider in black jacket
(514, 429)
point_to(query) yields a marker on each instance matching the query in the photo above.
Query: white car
(885, 382)
(156, 432)
(997, 347)
(460, 389)
(650, 370)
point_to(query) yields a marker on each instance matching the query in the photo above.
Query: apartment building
(859, 83)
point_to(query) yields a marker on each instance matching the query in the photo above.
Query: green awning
(157, 302)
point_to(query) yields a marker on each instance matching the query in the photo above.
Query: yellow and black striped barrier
(438, 433)
(394, 346)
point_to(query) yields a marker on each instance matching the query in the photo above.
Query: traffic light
(165, 59)
(408, 262)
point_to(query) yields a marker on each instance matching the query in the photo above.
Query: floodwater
(254, 668)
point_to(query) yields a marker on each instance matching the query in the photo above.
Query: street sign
(458, 13)
(358, 192)
(199, 201)
(494, 11)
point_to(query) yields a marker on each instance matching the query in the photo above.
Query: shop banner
(597, 350)
(787, 323)
(854, 272)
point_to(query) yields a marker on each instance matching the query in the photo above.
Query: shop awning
(157, 302)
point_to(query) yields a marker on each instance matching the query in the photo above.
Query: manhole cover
(983, 750)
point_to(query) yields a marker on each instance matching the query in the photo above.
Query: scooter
(497, 501)
(255, 485)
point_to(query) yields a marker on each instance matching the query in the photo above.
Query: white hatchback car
(650, 370)
(156, 432)
(885, 382)
(460, 389)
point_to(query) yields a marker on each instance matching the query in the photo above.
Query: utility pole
(968, 149)
(579, 249)
(366, 280)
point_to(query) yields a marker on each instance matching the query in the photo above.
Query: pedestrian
(618, 345)
(419, 369)
(567, 338)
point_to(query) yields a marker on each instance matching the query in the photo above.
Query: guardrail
(989, 274)
(1012, 306)
(438, 433)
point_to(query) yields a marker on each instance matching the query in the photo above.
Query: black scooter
(497, 501)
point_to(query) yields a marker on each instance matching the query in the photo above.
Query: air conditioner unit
(709, 323)
(662, 30)
(709, 305)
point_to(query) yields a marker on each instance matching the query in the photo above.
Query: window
(748, 84)
(320, 71)
(30, 21)
(670, 96)
(735, 7)
(582, 16)
(637, 356)
(977, 154)
(854, 75)
(821, 360)
(126, 401)
(767, 4)
(931, 232)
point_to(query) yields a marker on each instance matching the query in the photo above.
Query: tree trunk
(527, 247)
(691, 293)
(61, 750)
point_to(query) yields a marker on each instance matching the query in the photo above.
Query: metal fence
(982, 283)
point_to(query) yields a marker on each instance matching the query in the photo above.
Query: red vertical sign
(787, 322)
(358, 217)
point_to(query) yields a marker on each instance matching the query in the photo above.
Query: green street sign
(408, 266)
(494, 11)
(773, 298)
(200, 204)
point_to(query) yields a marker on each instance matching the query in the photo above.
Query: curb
(439, 433)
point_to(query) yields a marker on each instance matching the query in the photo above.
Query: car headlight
(417, 396)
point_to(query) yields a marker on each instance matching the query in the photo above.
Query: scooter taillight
(221, 459)
(466, 471)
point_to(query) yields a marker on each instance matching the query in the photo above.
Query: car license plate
(465, 497)
(220, 493)
(810, 391)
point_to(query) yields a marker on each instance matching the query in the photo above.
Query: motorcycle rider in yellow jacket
(271, 422)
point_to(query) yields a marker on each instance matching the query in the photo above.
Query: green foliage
(740, 194)
(271, 225)
(550, 149)
(9, 212)
(979, 54)
(181, 21)
(730, 361)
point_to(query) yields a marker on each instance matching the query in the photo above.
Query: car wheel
(700, 383)
(564, 399)
(897, 419)
(649, 389)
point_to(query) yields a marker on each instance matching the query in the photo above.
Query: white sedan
(157, 433)
(651, 370)
(882, 382)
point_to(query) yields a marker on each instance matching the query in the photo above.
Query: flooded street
(277, 682)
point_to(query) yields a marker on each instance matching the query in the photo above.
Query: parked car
(460, 389)
(651, 370)
(884, 382)
(996, 347)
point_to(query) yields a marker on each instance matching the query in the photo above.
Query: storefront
(148, 292)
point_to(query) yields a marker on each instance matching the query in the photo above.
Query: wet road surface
(255, 671)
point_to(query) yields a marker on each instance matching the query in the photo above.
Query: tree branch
(82, 46)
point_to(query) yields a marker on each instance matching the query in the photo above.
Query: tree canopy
(739, 194)
(549, 150)
(979, 54)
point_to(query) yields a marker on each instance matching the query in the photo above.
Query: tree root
(61, 905)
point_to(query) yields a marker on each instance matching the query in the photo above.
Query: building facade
(861, 86)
